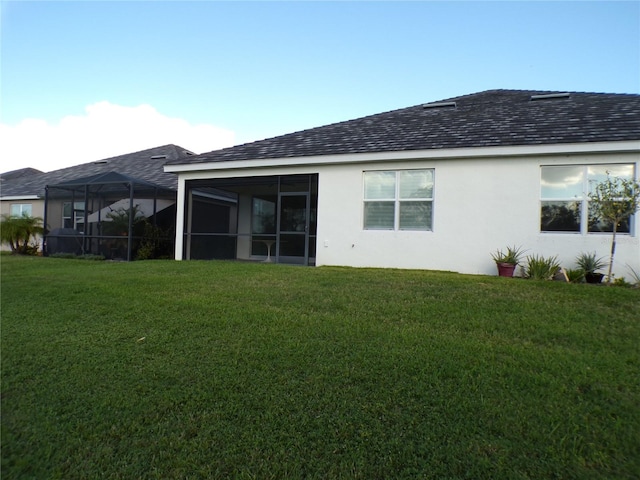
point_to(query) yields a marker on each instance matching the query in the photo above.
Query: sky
(86, 80)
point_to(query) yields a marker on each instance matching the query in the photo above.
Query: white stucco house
(436, 186)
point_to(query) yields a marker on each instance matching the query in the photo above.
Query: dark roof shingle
(21, 172)
(146, 165)
(490, 118)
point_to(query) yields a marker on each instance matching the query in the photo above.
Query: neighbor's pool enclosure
(262, 218)
(110, 214)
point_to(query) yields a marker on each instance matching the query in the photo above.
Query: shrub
(635, 276)
(575, 275)
(155, 243)
(91, 256)
(63, 255)
(86, 256)
(621, 282)
(541, 268)
(20, 233)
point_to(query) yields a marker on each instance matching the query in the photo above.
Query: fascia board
(20, 197)
(443, 154)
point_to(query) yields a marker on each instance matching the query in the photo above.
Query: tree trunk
(613, 251)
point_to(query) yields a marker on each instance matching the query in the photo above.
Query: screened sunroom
(261, 218)
(112, 215)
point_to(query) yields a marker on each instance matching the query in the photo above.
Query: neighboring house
(71, 194)
(436, 186)
(22, 203)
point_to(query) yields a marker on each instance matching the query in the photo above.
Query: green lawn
(170, 370)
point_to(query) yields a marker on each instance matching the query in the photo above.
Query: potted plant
(589, 264)
(508, 260)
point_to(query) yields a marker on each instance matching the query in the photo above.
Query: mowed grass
(167, 370)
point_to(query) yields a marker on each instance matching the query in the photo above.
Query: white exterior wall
(244, 227)
(484, 200)
(479, 206)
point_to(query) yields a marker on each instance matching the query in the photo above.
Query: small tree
(615, 200)
(18, 231)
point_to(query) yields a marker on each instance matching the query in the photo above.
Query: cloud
(105, 130)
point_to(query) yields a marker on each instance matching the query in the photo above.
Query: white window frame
(19, 209)
(398, 201)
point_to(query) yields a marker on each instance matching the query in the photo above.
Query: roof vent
(158, 157)
(549, 96)
(101, 162)
(440, 105)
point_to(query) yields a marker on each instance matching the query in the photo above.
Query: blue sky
(76, 76)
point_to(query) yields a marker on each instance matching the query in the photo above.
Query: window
(398, 200)
(564, 195)
(264, 215)
(73, 219)
(263, 225)
(19, 209)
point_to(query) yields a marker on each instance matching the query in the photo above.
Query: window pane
(19, 209)
(293, 213)
(291, 245)
(294, 183)
(560, 217)
(379, 215)
(598, 173)
(264, 215)
(416, 184)
(599, 225)
(379, 185)
(562, 182)
(66, 209)
(415, 215)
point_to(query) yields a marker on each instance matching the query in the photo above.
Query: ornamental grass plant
(539, 267)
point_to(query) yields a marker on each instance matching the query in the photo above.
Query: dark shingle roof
(490, 118)
(146, 165)
(22, 172)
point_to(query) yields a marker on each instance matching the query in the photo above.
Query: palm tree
(18, 231)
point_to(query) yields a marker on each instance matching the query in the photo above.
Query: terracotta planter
(592, 277)
(506, 269)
